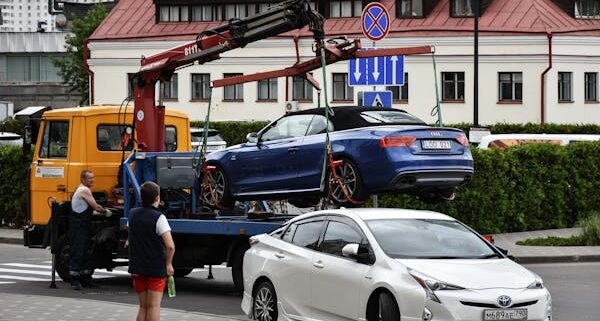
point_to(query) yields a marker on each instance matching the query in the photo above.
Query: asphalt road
(575, 287)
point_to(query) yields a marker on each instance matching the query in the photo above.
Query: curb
(557, 259)
(11, 240)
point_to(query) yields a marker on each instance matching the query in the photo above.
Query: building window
(233, 92)
(341, 90)
(400, 93)
(591, 86)
(267, 89)
(462, 8)
(343, 9)
(409, 8)
(168, 89)
(587, 9)
(453, 86)
(510, 86)
(302, 89)
(564, 86)
(235, 11)
(202, 13)
(30, 68)
(173, 13)
(200, 86)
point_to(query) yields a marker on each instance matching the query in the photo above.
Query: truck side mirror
(27, 138)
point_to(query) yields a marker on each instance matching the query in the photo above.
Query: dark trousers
(80, 233)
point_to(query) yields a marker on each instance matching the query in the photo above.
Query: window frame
(128, 148)
(348, 92)
(204, 86)
(238, 89)
(399, 10)
(354, 12)
(320, 219)
(456, 81)
(586, 86)
(561, 89)
(399, 92)
(513, 86)
(270, 82)
(453, 7)
(577, 12)
(48, 148)
(307, 89)
(173, 87)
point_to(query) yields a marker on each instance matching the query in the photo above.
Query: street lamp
(476, 64)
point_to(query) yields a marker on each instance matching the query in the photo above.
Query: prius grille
(493, 306)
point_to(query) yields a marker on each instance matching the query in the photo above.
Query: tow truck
(153, 143)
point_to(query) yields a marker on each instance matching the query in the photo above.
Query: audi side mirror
(252, 138)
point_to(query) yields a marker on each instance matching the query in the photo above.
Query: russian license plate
(504, 314)
(436, 144)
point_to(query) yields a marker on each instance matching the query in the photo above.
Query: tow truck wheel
(62, 251)
(237, 259)
(217, 194)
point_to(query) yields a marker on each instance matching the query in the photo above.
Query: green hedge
(529, 187)
(233, 132)
(14, 167)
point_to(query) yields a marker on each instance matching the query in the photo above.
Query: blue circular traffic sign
(375, 21)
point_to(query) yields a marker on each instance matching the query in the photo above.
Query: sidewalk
(15, 307)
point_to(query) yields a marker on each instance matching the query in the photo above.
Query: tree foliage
(71, 69)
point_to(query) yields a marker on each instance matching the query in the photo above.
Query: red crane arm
(149, 118)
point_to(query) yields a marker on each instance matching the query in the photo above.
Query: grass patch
(590, 227)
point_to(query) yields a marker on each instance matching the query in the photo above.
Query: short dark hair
(83, 174)
(150, 191)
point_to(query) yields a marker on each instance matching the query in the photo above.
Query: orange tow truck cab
(73, 139)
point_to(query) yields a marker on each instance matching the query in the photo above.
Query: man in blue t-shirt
(151, 251)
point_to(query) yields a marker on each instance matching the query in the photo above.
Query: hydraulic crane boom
(284, 17)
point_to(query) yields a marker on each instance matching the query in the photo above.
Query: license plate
(436, 144)
(504, 314)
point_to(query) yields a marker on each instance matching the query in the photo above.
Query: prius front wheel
(265, 303)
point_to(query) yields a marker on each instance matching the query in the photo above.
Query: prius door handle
(318, 265)
(279, 255)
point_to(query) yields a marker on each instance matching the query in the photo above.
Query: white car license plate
(436, 144)
(504, 314)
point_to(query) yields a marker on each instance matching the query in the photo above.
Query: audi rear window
(390, 117)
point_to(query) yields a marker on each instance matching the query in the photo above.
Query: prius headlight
(537, 284)
(430, 285)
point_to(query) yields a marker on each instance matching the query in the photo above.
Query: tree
(71, 68)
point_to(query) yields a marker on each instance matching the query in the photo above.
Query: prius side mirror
(252, 138)
(350, 250)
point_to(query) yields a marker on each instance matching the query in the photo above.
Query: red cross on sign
(375, 21)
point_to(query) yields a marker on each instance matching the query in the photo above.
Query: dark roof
(134, 20)
(348, 117)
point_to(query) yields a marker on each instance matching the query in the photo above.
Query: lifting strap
(328, 161)
(437, 109)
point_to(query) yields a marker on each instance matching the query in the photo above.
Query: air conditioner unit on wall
(291, 105)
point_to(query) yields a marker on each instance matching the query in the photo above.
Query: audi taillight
(463, 140)
(397, 141)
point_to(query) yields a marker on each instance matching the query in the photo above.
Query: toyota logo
(504, 301)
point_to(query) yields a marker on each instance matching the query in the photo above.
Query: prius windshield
(429, 239)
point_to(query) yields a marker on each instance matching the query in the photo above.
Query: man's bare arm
(170, 247)
(89, 198)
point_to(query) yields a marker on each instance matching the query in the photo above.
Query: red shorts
(143, 283)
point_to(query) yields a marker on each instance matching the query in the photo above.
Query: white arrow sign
(376, 71)
(357, 71)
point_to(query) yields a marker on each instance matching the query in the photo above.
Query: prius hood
(474, 274)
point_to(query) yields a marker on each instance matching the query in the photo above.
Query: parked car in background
(503, 141)
(385, 265)
(8, 138)
(214, 140)
(383, 151)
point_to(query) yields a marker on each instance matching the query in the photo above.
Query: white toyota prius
(385, 264)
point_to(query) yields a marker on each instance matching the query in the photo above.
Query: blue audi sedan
(377, 150)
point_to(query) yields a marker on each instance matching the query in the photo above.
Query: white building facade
(523, 77)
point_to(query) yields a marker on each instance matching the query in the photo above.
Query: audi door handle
(293, 149)
(279, 255)
(318, 265)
